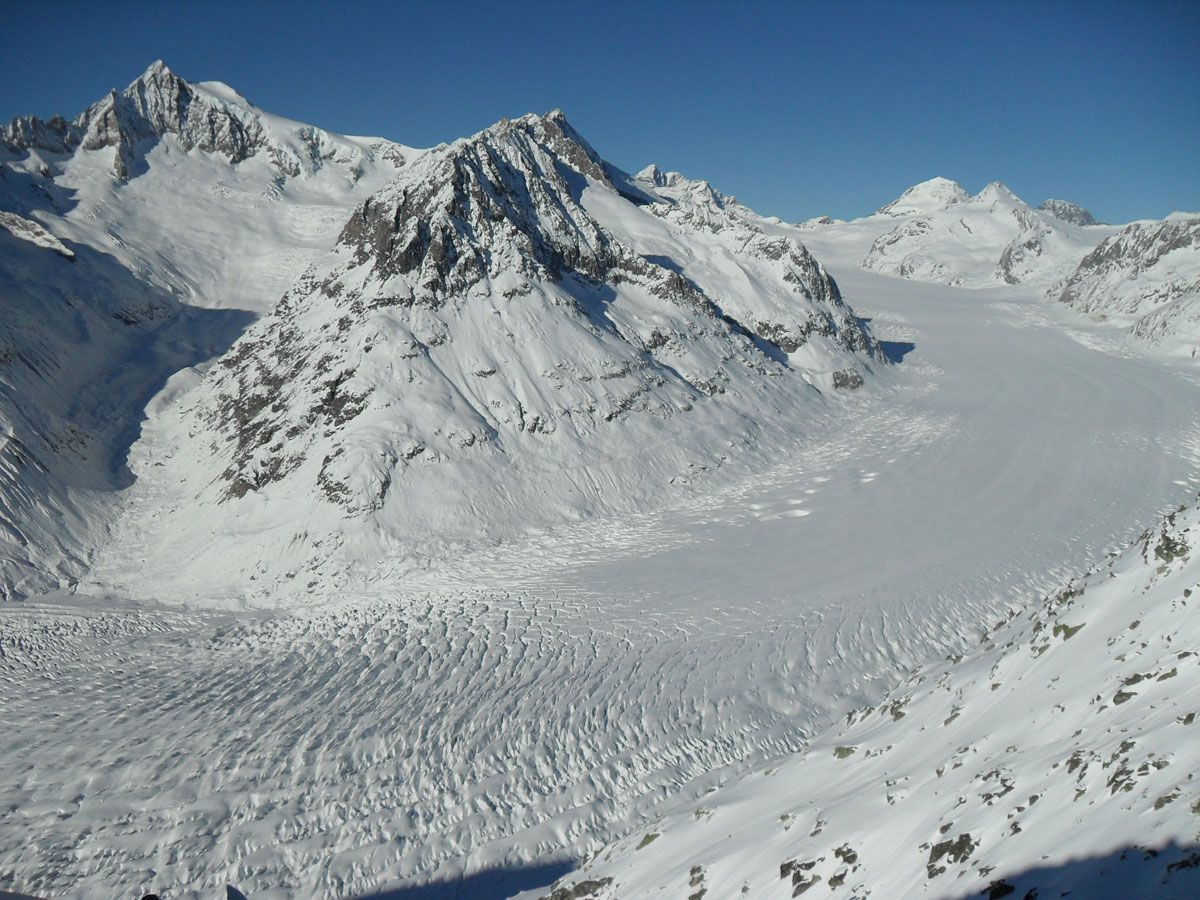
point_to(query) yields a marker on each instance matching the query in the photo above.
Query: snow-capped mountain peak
(210, 117)
(674, 185)
(156, 200)
(501, 314)
(928, 196)
(996, 192)
(652, 174)
(990, 238)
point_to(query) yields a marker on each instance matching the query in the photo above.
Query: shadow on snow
(1169, 873)
(489, 884)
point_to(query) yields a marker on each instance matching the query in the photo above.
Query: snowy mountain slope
(768, 281)
(83, 346)
(1146, 278)
(990, 238)
(169, 197)
(1058, 756)
(525, 705)
(930, 196)
(192, 186)
(503, 337)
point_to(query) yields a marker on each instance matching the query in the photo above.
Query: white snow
(1147, 279)
(531, 702)
(929, 196)
(991, 238)
(190, 232)
(1059, 755)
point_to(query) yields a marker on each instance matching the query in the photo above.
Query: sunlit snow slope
(530, 703)
(1057, 756)
(937, 232)
(139, 241)
(1144, 277)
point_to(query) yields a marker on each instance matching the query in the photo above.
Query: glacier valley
(486, 521)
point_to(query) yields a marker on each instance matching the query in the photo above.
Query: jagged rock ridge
(1068, 212)
(1147, 277)
(159, 103)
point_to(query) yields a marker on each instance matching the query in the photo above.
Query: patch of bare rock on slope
(1059, 756)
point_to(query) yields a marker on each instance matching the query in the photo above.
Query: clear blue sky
(798, 108)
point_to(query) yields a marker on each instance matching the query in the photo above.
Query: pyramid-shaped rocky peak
(212, 118)
(652, 175)
(505, 199)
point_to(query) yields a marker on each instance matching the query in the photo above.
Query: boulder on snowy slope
(510, 333)
(1146, 278)
(36, 234)
(1056, 758)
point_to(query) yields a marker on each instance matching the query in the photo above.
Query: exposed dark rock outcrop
(1068, 212)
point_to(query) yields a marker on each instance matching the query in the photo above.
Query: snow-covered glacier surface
(523, 705)
(1055, 758)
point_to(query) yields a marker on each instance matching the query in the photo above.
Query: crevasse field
(524, 705)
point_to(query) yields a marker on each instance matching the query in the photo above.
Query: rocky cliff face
(212, 119)
(491, 345)
(794, 297)
(1147, 277)
(1068, 212)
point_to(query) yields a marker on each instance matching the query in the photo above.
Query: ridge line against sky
(799, 109)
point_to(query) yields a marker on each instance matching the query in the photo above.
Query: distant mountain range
(1144, 277)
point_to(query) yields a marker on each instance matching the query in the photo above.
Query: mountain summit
(1068, 212)
(210, 117)
(926, 197)
(492, 333)
(945, 235)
